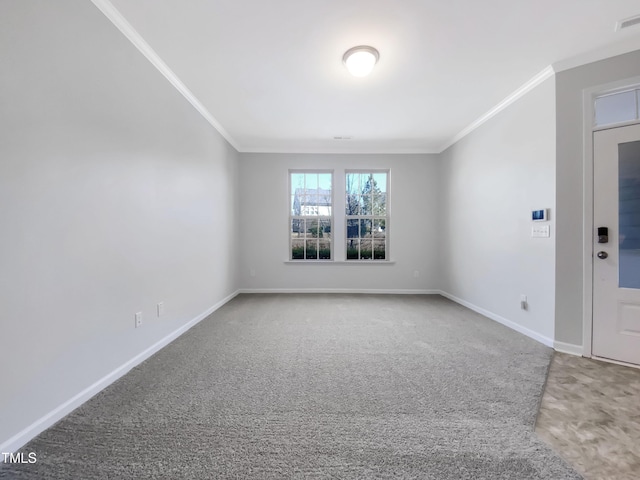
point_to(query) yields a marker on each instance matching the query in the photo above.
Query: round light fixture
(360, 60)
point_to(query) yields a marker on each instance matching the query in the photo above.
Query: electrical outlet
(523, 302)
(252, 272)
(138, 319)
(416, 274)
(160, 308)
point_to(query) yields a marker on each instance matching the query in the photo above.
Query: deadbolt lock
(603, 235)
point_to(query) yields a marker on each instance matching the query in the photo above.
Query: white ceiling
(270, 72)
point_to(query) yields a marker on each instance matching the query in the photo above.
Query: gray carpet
(317, 386)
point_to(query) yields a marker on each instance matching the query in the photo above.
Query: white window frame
(316, 216)
(372, 217)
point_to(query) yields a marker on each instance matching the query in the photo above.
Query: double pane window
(366, 215)
(311, 215)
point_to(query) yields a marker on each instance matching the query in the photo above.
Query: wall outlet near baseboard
(160, 308)
(416, 274)
(138, 319)
(524, 305)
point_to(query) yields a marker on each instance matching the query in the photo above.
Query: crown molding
(343, 151)
(519, 93)
(112, 13)
(613, 50)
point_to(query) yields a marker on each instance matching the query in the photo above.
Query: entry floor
(590, 413)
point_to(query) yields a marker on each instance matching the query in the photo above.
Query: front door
(616, 250)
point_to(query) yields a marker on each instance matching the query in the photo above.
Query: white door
(616, 263)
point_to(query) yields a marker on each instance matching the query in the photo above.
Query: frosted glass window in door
(629, 214)
(616, 108)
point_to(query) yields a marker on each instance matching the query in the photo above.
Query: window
(367, 218)
(617, 107)
(310, 215)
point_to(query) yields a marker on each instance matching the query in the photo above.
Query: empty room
(286, 239)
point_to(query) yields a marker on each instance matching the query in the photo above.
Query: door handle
(602, 255)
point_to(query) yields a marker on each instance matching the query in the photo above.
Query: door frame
(588, 99)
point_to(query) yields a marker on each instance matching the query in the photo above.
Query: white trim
(365, 150)
(519, 93)
(634, 20)
(21, 438)
(107, 8)
(569, 348)
(536, 80)
(616, 125)
(112, 13)
(369, 291)
(507, 323)
(588, 99)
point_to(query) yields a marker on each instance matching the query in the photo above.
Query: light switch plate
(541, 231)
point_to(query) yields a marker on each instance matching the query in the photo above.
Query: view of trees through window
(311, 215)
(366, 215)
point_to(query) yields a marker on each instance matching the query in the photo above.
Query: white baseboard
(569, 348)
(340, 290)
(507, 323)
(14, 443)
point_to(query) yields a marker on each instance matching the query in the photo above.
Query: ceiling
(269, 74)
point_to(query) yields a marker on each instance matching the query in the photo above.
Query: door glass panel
(629, 214)
(619, 107)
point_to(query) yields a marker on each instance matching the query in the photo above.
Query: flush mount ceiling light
(360, 60)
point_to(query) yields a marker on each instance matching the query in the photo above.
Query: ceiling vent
(627, 22)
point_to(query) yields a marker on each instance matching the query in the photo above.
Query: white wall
(115, 194)
(413, 236)
(491, 180)
(570, 85)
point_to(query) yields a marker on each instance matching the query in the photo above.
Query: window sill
(340, 262)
